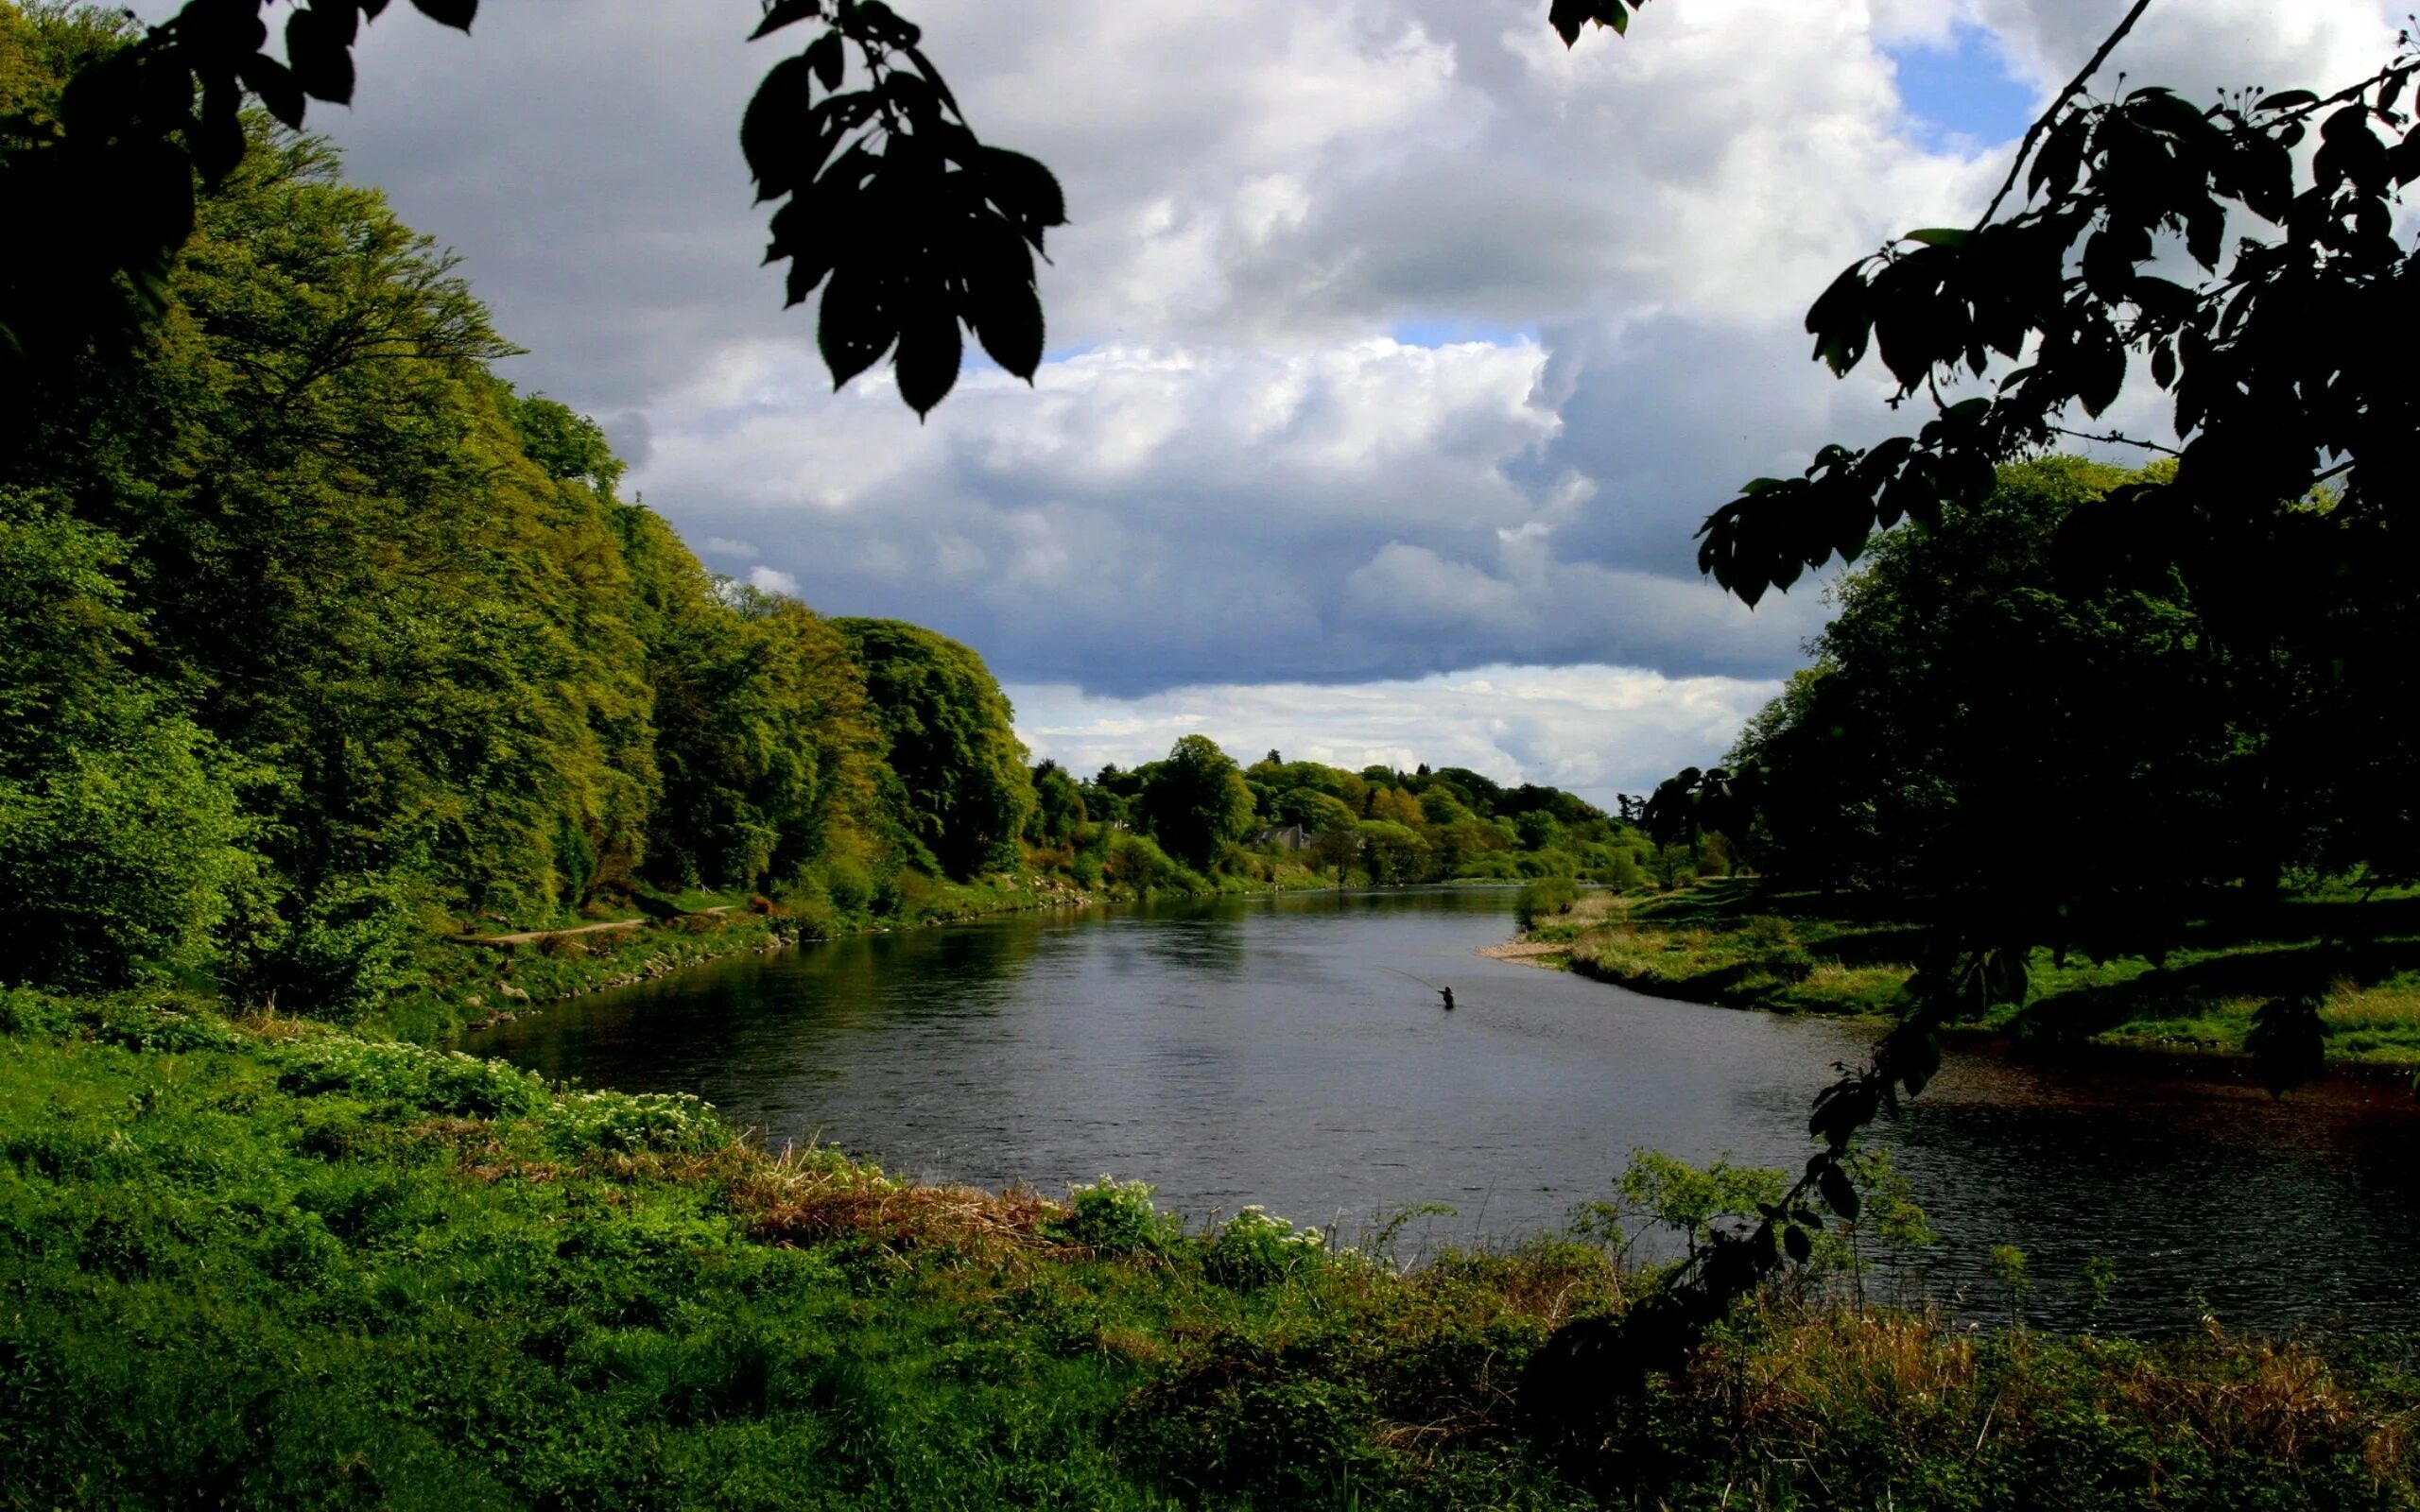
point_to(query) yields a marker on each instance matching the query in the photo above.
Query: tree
(2280, 387)
(1197, 801)
(1058, 806)
(120, 825)
(962, 789)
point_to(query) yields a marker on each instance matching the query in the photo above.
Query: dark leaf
(856, 325)
(932, 77)
(1940, 236)
(1007, 316)
(217, 140)
(928, 359)
(1794, 1240)
(2287, 100)
(1027, 192)
(879, 23)
(2098, 371)
(454, 13)
(319, 47)
(786, 13)
(1839, 1193)
(828, 56)
(775, 129)
(275, 84)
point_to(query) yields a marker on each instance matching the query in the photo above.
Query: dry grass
(805, 1196)
(2351, 1005)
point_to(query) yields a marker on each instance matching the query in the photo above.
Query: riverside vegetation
(2157, 830)
(1749, 942)
(269, 1261)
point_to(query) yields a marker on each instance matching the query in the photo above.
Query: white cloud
(772, 580)
(1231, 471)
(1596, 730)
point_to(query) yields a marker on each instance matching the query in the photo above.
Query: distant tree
(1058, 806)
(1197, 801)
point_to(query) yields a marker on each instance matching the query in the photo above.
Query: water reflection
(1260, 1049)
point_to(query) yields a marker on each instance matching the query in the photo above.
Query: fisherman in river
(1447, 993)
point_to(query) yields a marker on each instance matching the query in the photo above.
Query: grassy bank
(270, 1264)
(1744, 943)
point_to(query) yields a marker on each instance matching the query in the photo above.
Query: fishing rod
(1445, 992)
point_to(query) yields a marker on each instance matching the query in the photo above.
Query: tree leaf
(786, 13)
(1940, 236)
(454, 13)
(275, 84)
(929, 350)
(1027, 192)
(775, 126)
(1007, 316)
(828, 56)
(318, 48)
(1839, 1193)
(854, 327)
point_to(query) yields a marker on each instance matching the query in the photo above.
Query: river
(1285, 1051)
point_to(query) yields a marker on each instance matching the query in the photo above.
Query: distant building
(1284, 837)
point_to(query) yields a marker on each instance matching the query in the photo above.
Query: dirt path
(1525, 949)
(531, 936)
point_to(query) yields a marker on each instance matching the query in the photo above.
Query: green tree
(964, 790)
(1058, 806)
(1197, 801)
(120, 828)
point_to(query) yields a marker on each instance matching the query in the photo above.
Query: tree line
(317, 636)
(318, 640)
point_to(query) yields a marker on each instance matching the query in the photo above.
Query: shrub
(1543, 897)
(1254, 1249)
(1117, 1218)
(627, 1122)
(1135, 861)
(434, 1081)
(344, 956)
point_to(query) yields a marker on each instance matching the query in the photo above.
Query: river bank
(470, 980)
(1745, 943)
(269, 1263)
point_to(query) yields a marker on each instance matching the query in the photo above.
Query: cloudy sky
(1396, 351)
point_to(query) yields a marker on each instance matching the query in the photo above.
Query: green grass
(1742, 943)
(269, 1264)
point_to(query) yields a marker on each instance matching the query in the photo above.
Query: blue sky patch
(1445, 333)
(1962, 90)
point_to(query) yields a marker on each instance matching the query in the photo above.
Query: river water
(1285, 1051)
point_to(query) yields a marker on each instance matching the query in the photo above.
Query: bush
(1134, 860)
(1117, 1218)
(434, 1081)
(1255, 1249)
(1546, 896)
(627, 1122)
(348, 954)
